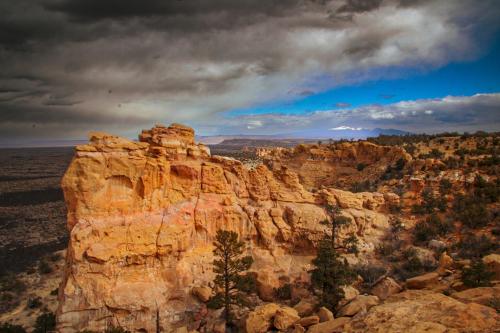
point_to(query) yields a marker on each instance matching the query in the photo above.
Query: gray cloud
(192, 61)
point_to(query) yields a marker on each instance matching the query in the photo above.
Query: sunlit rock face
(143, 215)
(328, 164)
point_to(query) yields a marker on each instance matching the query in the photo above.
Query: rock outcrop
(143, 215)
(341, 164)
(425, 311)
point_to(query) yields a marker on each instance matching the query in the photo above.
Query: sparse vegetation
(351, 244)
(472, 246)
(284, 292)
(477, 275)
(46, 322)
(431, 228)
(445, 186)
(44, 267)
(361, 166)
(430, 203)
(411, 265)
(9, 328)
(471, 212)
(370, 273)
(116, 329)
(34, 302)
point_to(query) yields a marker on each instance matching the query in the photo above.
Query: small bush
(46, 322)
(429, 203)
(116, 329)
(360, 166)
(44, 267)
(55, 257)
(12, 283)
(284, 292)
(370, 273)
(247, 283)
(385, 249)
(445, 186)
(478, 275)
(34, 302)
(432, 227)
(351, 244)
(495, 304)
(472, 246)
(9, 328)
(411, 265)
(471, 212)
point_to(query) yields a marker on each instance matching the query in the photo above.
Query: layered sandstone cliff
(143, 215)
(340, 164)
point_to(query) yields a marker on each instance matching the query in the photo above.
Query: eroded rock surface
(425, 311)
(143, 215)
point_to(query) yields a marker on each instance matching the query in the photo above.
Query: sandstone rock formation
(318, 166)
(422, 311)
(142, 217)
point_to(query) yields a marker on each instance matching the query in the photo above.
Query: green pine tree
(335, 221)
(478, 275)
(330, 274)
(228, 266)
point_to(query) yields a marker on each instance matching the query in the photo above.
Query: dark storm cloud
(91, 10)
(72, 66)
(359, 6)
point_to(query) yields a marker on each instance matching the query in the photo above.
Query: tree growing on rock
(228, 266)
(335, 221)
(330, 274)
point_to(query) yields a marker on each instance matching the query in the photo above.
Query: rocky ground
(423, 212)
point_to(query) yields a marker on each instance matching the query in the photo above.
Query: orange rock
(143, 215)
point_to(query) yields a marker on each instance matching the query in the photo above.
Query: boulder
(219, 326)
(298, 329)
(305, 307)
(324, 314)
(202, 293)
(331, 326)
(425, 255)
(423, 311)
(285, 317)
(493, 262)
(386, 288)
(481, 295)
(350, 293)
(423, 281)
(445, 263)
(308, 321)
(266, 284)
(436, 245)
(260, 320)
(360, 303)
(181, 330)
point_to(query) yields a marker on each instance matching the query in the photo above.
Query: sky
(254, 67)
